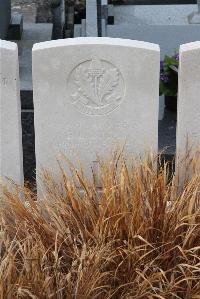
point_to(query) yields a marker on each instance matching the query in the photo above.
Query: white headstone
(92, 95)
(188, 118)
(91, 18)
(11, 165)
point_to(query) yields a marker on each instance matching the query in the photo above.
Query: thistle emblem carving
(97, 87)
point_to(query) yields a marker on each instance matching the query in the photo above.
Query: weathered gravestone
(92, 95)
(91, 18)
(188, 118)
(10, 114)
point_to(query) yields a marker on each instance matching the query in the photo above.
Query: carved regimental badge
(96, 87)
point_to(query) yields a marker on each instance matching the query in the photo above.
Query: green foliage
(169, 75)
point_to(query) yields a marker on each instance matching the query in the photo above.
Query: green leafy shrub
(169, 75)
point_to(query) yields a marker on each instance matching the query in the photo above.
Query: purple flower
(176, 56)
(164, 77)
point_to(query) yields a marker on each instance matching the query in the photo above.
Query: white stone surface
(188, 118)
(11, 165)
(153, 14)
(92, 95)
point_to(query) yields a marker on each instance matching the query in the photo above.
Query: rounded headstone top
(8, 45)
(96, 41)
(190, 47)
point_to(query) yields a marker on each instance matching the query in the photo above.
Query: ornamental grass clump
(137, 237)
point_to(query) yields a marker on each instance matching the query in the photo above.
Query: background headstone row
(92, 95)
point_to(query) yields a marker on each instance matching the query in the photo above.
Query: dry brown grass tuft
(137, 238)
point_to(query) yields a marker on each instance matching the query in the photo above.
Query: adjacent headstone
(16, 26)
(188, 118)
(168, 37)
(91, 18)
(11, 165)
(83, 28)
(92, 95)
(58, 13)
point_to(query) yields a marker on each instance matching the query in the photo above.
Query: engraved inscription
(89, 147)
(102, 130)
(3, 80)
(96, 87)
(105, 137)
